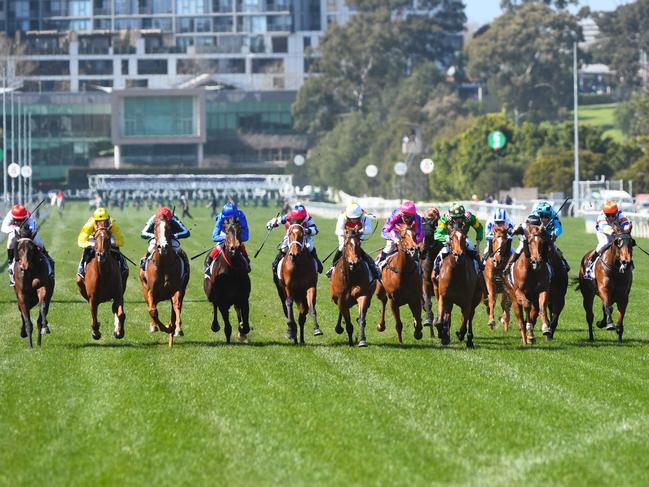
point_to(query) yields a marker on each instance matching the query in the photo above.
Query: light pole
(575, 88)
(4, 131)
(400, 169)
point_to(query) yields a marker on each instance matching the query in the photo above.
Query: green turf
(133, 412)
(602, 116)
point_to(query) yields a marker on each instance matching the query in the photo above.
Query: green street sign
(497, 140)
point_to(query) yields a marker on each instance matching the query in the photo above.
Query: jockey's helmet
(610, 208)
(353, 211)
(544, 209)
(19, 212)
(500, 215)
(100, 215)
(533, 219)
(297, 214)
(431, 214)
(456, 210)
(164, 211)
(408, 208)
(229, 210)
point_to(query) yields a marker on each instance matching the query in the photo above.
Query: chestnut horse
(33, 284)
(401, 282)
(104, 282)
(500, 248)
(429, 250)
(229, 283)
(164, 279)
(457, 284)
(612, 283)
(297, 282)
(529, 285)
(351, 284)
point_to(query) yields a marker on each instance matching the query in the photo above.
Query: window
(158, 116)
(203, 24)
(162, 6)
(124, 66)
(185, 24)
(219, 6)
(164, 24)
(48, 68)
(96, 67)
(267, 65)
(223, 24)
(279, 23)
(191, 6)
(252, 23)
(306, 42)
(152, 66)
(280, 44)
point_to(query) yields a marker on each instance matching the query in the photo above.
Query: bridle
(300, 243)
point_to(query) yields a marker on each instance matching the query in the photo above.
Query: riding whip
(640, 248)
(129, 259)
(562, 205)
(202, 253)
(32, 212)
(267, 235)
(330, 254)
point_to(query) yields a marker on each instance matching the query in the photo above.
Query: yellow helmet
(100, 214)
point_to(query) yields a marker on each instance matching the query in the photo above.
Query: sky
(482, 11)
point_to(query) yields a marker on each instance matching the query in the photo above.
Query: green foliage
(633, 115)
(555, 171)
(526, 54)
(511, 5)
(638, 172)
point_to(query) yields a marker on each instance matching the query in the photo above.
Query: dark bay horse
(612, 283)
(297, 282)
(104, 282)
(351, 285)
(457, 284)
(229, 283)
(558, 289)
(530, 286)
(164, 279)
(429, 250)
(401, 282)
(33, 284)
(499, 251)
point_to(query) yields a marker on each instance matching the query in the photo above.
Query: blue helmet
(229, 210)
(544, 208)
(500, 215)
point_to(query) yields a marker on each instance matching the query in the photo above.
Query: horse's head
(407, 240)
(536, 242)
(623, 244)
(25, 248)
(500, 245)
(163, 234)
(296, 240)
(352, 249)
(458, 240)
(102, 242)
(232, 230)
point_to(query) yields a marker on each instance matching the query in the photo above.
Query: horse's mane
(25, 232)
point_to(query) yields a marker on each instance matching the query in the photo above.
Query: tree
(526, 55)
(623, 35)
(511, 5)
(555, 170)
(633, 115)
(638, 172)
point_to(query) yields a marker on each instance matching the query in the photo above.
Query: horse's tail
(574, 281)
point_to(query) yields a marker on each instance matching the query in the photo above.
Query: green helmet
(456, 210)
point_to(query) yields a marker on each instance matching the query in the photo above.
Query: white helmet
(353, 210)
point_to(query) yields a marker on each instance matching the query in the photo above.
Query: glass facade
(148, 116)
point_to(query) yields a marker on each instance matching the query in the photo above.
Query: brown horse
(33, 284)
(530, 287)
(612, 283)
(104, 282)
(500, 248)
(351, 284)
(164, 279)
(457, 284)
(229, 283)
(297, 282)
(429, 250)
(401, 282)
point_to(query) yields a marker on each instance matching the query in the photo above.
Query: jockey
(11, 223)
(458, 215)
(406, 213)
(86, 240)
(499, 219)
(297, 215)
(551, 223)
(229, 210)
(353, 218)
(178, 231)
(610, 216)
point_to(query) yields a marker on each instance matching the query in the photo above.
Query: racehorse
(613, 279)
(499, 251)
(401, 282)
(457, 284)
(32, 284)
(429, 250)
(351, 284)
(104, 282)
(229, 282)
(558, 288)
(164, 278)
(297, 281)
(529, 283)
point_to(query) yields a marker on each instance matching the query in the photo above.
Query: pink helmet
(408, 208)
(297, 214)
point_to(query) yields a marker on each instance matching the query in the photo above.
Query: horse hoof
(549, 337)
(492, 324)
(242, 338)
(119, 336)
(179, 333)
(215, 327)
(380, 327)
(460, 336)
(96, 336)
(531, 340)
(600, 324)
(469, 344)
(362, 343)
(23, 333)
(289, 336)
(547, 331)
(153, 329)
(610, 326)
(317, 332)
(418, 334)
(45, 330)
(339, 330)
(427, 323)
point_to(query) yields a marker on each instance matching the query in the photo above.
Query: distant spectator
(184, 204)
(488, 198)
(508, 200)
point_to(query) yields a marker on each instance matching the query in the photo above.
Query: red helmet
(164, 211)
(298, 213)
(19, 212)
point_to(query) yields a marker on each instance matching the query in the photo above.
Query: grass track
(602, 116)
(132, 412)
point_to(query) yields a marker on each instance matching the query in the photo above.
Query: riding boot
(476, 257)
(317, 261)
(85, 257)
(275, 263)
(207, 266)
(143, 261)
(10, 267)
(376, 272)
(51, 263)
(380, 260)
(512, 260)
(185, 260)
(563, 259)
(337, 256)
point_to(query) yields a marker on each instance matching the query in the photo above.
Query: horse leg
(545, 324)
(428, 304)
(227, 326)
(531, 315)
(469, 337)
(464, 317)
(344, 310)
(153, 313)
(291, 333)
(383, 298)
(415, 309)
(621, 310)
(491, 302)
(310, 299)
(518, 311)
(243, 312)
(397, 318)
(339, 328)
(215, 319)
(176, 310)
(120, 318)
(506, 305)
(303, 310)
(96, 334)
(588, 297)
(362, 311)
(27, 322)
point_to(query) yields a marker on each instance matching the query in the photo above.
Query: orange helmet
(19, 212)
(610, 208)
(164, 211)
